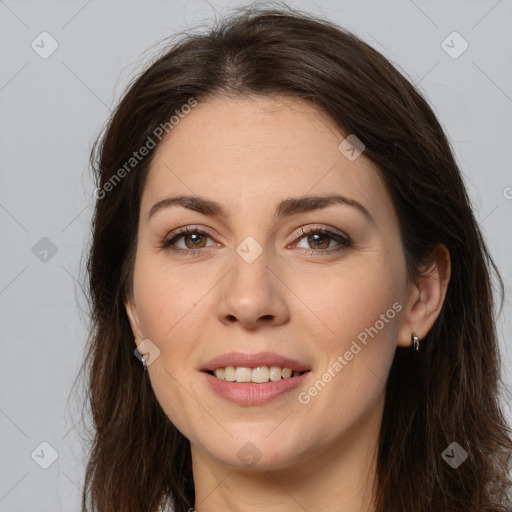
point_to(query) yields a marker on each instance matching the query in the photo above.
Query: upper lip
(254, 360)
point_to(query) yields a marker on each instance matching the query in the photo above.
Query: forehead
(258, 151)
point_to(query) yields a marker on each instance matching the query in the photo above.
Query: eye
(321, 238)
(194, 239)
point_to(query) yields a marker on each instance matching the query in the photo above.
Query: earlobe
(426, 297)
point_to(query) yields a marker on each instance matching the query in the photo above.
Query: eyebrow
(286, 208)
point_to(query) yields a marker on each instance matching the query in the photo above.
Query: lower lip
(254, 394)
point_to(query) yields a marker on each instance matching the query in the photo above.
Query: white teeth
(229, 373)
(243, 374)
(275, 373)
(259, 375)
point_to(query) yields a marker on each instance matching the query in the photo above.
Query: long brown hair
(449, 392)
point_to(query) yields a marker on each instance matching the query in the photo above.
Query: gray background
(53, 108)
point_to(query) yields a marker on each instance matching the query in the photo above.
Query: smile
(249, 393)
(258, 375)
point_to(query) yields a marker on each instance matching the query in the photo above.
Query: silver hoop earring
(415, 342)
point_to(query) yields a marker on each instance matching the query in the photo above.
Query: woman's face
(263, 277)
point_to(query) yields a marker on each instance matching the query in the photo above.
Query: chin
(256, 452)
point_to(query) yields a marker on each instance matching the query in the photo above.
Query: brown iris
(198, 238)
(325, 237)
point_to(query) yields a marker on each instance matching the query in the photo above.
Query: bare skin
(300, 298)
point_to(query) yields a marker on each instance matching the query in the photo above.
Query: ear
(426, 297)
(133, 318)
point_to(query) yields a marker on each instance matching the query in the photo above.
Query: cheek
(359, 308)
(352, 298)
(166, 296)
(355, 362)
(172, 305)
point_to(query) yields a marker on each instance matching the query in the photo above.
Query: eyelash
(344, 241)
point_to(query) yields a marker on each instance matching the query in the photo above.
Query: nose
(253, 295)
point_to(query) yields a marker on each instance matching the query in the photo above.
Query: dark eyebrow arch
(285, 208)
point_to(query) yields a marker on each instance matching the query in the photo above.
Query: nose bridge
(251, 290)
(250, 278)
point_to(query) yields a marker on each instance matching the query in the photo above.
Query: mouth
(255, 375)
(249, 386)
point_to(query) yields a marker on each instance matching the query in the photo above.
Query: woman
(283, 239)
